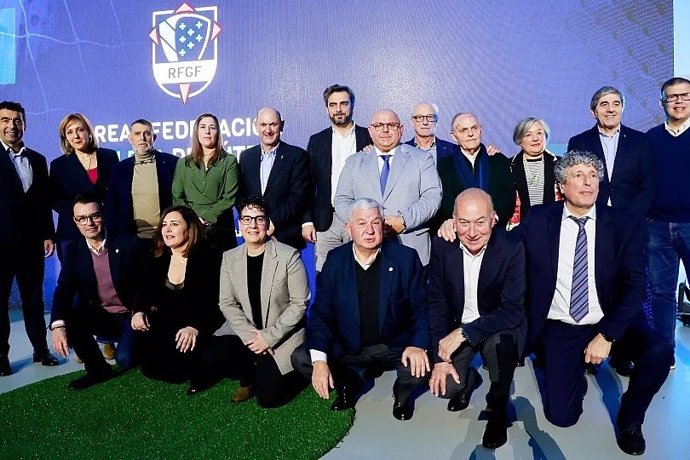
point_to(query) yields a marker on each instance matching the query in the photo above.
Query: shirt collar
(432, 146)
(468, 253)
(592, 213)
(347, 134)
(97, 251)
(677, 132)
(615, 133)
(270, 152)
(12, 152)
(390, 152)
(365, 263)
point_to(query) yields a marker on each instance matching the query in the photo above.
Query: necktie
(384, 171)
(579, 292)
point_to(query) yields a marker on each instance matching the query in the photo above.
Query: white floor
(434, 433)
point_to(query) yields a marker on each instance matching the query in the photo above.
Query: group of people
(427, 253)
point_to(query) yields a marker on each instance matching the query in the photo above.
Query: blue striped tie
(384, 171)
(579, 291)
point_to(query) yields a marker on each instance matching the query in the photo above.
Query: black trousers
(351, 370)
(26, 265)
(161, 360)
(563, 348)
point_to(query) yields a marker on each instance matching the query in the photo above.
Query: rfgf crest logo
(185, 49)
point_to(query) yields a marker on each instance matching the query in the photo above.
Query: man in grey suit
(263, 295)
(401, 177)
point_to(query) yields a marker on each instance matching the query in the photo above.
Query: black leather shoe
(5, 368)
(622, 367)
(91, 379)
(403, 411)
(462, 400)
(495, 435)
(45, 358)
(345, 399)
(631, 441)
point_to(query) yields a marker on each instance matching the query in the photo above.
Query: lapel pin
(117, 251)
(390, 269)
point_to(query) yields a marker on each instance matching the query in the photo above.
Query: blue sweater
(672, 163)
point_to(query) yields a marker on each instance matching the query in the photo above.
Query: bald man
(400, 177)
(476, 305)
(424, 118)
(279, 174)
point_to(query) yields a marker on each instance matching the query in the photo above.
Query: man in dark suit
(424, 119)
(328, 150)
(629, 179)
(26, 233)
(102, 275)
(368, 316)
(586, 287)
(278, 173)
(476, 293)
(140, 187)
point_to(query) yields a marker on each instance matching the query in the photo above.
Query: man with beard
(328, 150)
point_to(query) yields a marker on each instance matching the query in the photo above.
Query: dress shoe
(403, 410)
(5, 368)
(91, 379)
(345, 399)
(196, 386)
(623, 367)
(462, 400)
(631, 441)
(45, 358)
(242, 394)
(109, 351)
(495, 434)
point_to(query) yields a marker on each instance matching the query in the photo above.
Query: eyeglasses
(675, 97)
(84, 220)
(247, 220)
(382, 126)
(421, 118)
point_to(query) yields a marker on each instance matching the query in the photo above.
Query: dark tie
(579, 291)
(384, 171)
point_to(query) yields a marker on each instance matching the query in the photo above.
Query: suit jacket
(413, 190)
(69, 179)
(120, 216)
(287, 191)
(443, 148)
(77, 276)
(319, 149)
(633, 183)
(618, 266)
(25, 218)
(334, 325)
(500, 291)
(284, 297)
(517, 167)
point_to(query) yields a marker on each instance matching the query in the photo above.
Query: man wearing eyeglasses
(26, 233)
(668, 220)
(102, 274)
(424, 119)
(402, 178)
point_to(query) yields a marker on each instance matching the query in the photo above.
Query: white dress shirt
(342, 146)
(471, 265)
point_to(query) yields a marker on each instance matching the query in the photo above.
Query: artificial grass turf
(134, 417)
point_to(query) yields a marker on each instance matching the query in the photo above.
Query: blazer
(69, 179)
(618, 266)
(319, 149)
(78, 278)
(284, 297)
(517, 167)
(120, 216)
(633, 183)
(500, 291)
(413, 190)
(26, 219)
(287, 191)
(443, 148)
(334, 325)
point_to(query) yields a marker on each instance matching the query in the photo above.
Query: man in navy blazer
(102, 274)
(368, 316)
(629, 180)
(278, 173)
(26, 233)
(328, 150)
(424, 119)
(476, 294)
(585, 290)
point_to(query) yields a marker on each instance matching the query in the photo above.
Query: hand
(439, 377)
(418, 361)
(448, 345)
(597, 350)
(396, 223)
(48, 248)
(368, 148)
(447, 230)
(186, 339)
(140, 322)
(59, 339)
(271, 228)
(322, 379)
(492, 150)
(258, 344)
(309, 233)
